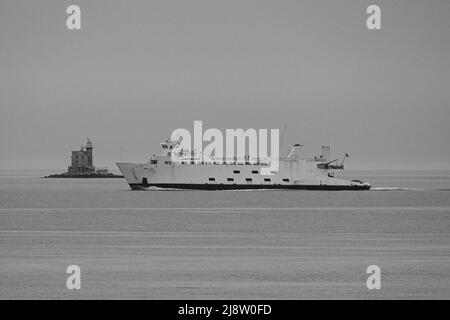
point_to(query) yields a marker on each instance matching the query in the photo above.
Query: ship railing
(236, 161)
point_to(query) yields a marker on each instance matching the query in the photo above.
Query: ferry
(190, 171)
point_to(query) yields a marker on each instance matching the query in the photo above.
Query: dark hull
(195, 186)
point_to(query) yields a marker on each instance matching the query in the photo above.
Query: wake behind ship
(191, 172)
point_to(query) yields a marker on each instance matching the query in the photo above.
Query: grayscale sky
(139, 69)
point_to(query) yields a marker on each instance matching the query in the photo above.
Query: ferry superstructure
(191, 172)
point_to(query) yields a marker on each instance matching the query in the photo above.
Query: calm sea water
(224, 244)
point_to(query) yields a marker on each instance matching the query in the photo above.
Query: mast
(282, 138)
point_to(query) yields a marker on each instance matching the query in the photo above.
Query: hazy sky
(139, 69)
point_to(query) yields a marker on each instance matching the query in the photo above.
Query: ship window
(230, 179)
(255, 171)
(212, 179)
(267, 179)
(285, 180)
(236, 171)
(248, 179)
(167, 162)
(164, 146)
(153, 161)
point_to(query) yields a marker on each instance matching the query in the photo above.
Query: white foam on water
(162, 189)
(394, 188)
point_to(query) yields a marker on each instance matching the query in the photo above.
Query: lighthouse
(82, 160)
(89, 147)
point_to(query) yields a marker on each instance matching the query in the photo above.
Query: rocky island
(82, 165)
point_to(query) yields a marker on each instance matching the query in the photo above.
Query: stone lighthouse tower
(82, 160)
(90, 160)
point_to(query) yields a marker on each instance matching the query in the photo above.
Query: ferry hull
(215, 187)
